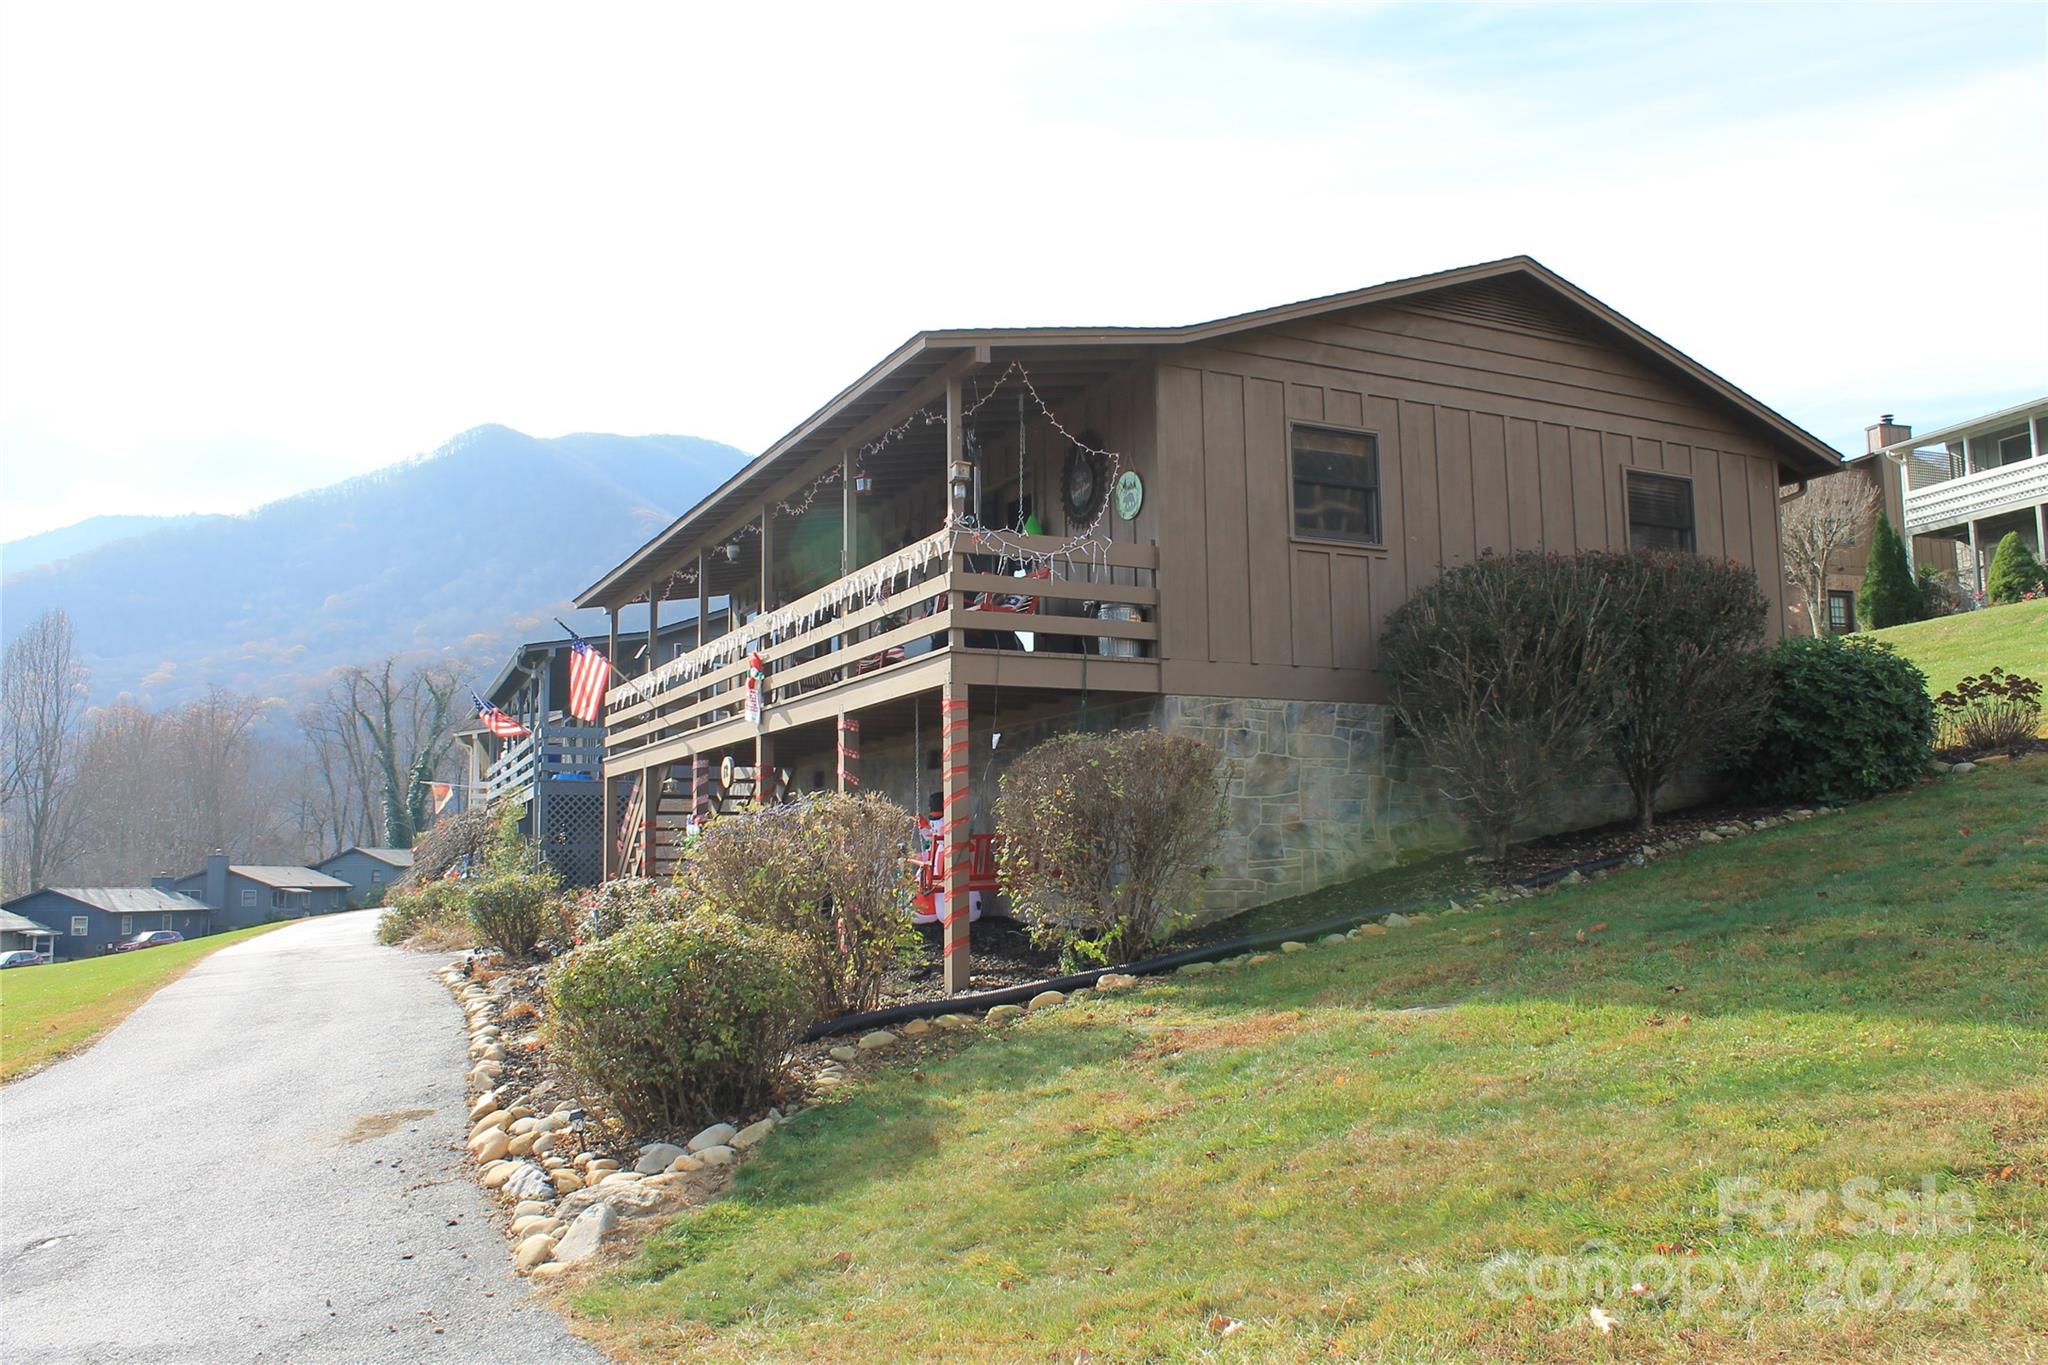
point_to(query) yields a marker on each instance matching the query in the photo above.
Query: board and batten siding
(1493, 437)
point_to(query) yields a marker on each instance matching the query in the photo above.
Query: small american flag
(497, 722)
(589, 671)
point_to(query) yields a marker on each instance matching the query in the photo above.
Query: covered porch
(930, 559)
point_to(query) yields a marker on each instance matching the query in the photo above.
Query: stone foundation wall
(1315, 792)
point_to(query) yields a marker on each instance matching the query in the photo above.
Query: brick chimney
(1884, 433)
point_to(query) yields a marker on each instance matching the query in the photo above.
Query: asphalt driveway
(261, 1164)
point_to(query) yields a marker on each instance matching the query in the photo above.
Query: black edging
(1208, 952)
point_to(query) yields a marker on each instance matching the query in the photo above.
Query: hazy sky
(247, 251)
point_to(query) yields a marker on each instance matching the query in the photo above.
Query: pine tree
(2014, 570)
(1890, 597)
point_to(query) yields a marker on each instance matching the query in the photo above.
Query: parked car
(22, 957)
(155, 938)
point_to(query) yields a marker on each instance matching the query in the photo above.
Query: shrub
(1849, 717)
(1890, 596)
(1989, 712)
(512, 911)
(1106, 838)
(1504, 673)
(679, 1021)
(1939, 595)
(830, 869)
(2015, 573)
(1691, 681)
(600, 911)
(431, 915)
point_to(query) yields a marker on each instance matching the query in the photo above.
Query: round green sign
(1130, 494)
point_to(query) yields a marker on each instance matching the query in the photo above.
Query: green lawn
(1950, 648)
(46, 1012)
(1299, 1148)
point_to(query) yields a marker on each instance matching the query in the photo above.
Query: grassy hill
(1444, 1142)
(1950, 648)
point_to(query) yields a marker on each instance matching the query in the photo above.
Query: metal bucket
(1112, 647)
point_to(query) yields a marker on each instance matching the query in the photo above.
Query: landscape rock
(1372, 930)
(1256, 959)
(522, 1145)
(1708, 836)
(877, 1040)
(526, 1208)
(485, 1103)
(490, 1144)
(844, 1053)
(1397, 920)
(718, 1156)
(519, 1127)
(1961, 769)
(533, 1250)
(951, 1023)
(525, 1224)
(529, 1181)
(494, 1119)
(1332, 940)
(1115, 981)
(1293, 946)
(1003, 1014)
(586, 1234)
(1046, 999)
(657, 1157)
(551, 1270)
(916, 1028)
(752, 1135)
(684, 1164)
(543, 1143)
(717, 1135)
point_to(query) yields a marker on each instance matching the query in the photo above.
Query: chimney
(164, 881)
(217, 880)
(1885, 433)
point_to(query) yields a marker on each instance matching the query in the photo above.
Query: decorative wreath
(1085, 481)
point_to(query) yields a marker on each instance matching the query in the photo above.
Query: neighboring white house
(1973, 482)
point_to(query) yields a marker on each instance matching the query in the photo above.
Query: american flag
(589, 671)
(497, 722)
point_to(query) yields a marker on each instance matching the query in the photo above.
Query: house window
(167, 919)
(127, 925)
(1659, 512)
(1336, 484)
(376, 876)
(79, 926)
(249, 895)
(278, 900)
(1841, 612)
(2012, 449)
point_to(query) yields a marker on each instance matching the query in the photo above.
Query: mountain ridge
(448, 555)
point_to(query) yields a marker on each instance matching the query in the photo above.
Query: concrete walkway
(261, 1164)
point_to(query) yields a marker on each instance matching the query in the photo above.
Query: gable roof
(281, 878)
(926, 355)
(11, 923)
(122, 900)
(392, 857)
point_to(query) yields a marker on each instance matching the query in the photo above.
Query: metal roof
(128, 900)
(11, 923)
(929, 356)
(285, 878)
(1990, 421)
(396, 857)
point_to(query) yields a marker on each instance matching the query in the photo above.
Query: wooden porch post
(959, 956)
(846, 512)
(607, 786)
(653, 622)
(543, 688)
(650, 814)
(700, 788)
(703, 601)
(849, 754)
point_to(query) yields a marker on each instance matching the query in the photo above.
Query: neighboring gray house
(253, 894)
(366, 870)
(18, 933)
(90, 920)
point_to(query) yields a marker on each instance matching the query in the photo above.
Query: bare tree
(42, 699)
(408, 725)
(1818, 524)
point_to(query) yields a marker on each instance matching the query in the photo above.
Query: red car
(155, 938)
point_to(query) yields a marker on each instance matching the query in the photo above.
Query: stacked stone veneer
(1315, 792)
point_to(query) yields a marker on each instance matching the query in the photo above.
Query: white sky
(247, 251)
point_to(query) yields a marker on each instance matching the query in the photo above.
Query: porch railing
(573, 752)
(1967, 496)
(954, 590)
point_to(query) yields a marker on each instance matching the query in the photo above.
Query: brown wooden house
(1220, 516)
